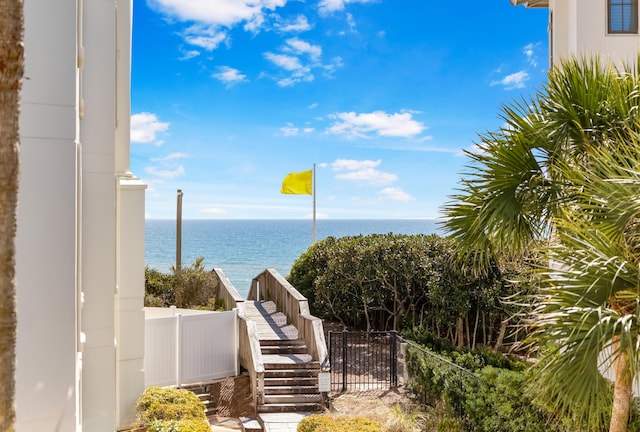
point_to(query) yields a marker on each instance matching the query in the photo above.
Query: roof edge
(531, 3)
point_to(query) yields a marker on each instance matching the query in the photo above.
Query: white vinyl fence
(184, 346)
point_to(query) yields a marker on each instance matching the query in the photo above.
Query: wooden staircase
(290, 373)
(290, 377)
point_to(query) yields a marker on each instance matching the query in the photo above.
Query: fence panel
(160, 347)
(188, 348)
(362, 361)
(209, 346)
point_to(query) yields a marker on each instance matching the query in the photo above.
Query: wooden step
(290, 390)
(284, 349)
(291, 373)
(289, 361)
(275, 342)
(292, 398)
(292, 407)
(293, 380)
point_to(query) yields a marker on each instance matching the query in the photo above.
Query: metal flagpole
(314, 203)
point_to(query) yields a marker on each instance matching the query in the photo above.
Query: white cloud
(351, 165)
(300, 58)
(188, 55)
(225, 13)
(362, 171)
(313, 105)
(286, 62)
(513, 81)
(529, 52)
(377, 123)
(229, 75)
(165, 174)
(396, 194)
(329, 6)
(172, 156)
(295, 25)
(289, 130)
(369, 175)
(145, 126)
(292, 64)
(300, 47)
(210, 16)
(205, 37)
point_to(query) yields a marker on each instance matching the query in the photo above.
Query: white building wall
(580, 28)
(46, 240)
(80, 237)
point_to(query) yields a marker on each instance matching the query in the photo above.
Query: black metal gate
(363, 361)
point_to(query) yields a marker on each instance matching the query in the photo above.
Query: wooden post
(179, 231)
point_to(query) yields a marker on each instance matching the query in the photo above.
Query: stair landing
(271, 324)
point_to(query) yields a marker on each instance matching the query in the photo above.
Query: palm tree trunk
(503, 330)
(11, 70)
(621, 393)
(459, 332)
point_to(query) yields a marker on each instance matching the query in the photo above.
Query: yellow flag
(297, 183)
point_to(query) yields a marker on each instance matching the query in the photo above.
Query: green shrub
(450, 425)
(171, 410)
(323, 423)
(188, 425)
(405, 419)
(189, 287)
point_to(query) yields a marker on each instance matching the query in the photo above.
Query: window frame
(619, 27)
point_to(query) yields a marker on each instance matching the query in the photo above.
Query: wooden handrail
(227, 292)
(270, 285)
(249, 353)
(251, 357)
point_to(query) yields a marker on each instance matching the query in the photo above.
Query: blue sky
(228, 96)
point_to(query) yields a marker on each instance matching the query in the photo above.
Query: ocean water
(244, 248)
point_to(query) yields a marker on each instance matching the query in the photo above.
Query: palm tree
(11, 70)
(531, 187)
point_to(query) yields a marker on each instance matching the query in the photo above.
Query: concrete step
(287, 389)
(250, 424)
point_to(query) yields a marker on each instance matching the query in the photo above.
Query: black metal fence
(362, 361)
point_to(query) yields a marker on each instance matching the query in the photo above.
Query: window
(623, 16)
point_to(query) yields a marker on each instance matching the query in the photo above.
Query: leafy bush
(187, 425)
(171, 410)
(323, 423)
(189, 287)
(387, 281)
(405, 419)
(500, 400)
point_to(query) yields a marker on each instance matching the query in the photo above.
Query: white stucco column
(129, 298)
(46, 392)
(129, 301)
(124, 11)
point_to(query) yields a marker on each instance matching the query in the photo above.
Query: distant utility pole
(179, 231)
